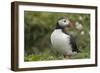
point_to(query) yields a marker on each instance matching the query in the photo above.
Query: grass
(49, 55)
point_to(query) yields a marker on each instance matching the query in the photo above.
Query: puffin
(62, 41)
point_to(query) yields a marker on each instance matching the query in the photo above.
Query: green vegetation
(38, 28)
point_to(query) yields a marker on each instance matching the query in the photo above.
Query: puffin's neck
(62, 30)
(65, 31)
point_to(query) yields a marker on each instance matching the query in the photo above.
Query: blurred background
(38, 28)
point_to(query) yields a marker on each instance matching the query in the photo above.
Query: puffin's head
(64, 23)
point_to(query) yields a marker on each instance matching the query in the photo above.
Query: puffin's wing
(73, 44)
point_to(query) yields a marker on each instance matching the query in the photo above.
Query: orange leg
(66, 56)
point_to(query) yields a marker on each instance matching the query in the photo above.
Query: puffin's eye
(64, 20)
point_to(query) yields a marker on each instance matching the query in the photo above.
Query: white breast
(61, 41)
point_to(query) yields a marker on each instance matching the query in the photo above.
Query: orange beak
(72, 24)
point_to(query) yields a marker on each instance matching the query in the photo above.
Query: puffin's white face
(63, 22)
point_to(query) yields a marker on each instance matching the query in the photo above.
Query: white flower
(78, 26)
(82, 32)
(80, 17)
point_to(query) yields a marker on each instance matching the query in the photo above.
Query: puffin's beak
(72, 24)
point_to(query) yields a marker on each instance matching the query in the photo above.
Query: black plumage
(73, 44)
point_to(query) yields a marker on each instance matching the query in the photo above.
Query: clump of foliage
(38, 28)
